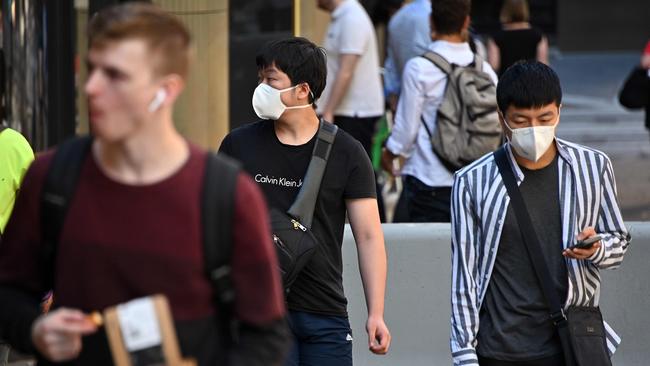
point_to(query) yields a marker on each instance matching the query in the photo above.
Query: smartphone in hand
(586, 243)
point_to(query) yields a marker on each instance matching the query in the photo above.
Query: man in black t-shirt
(276, 153)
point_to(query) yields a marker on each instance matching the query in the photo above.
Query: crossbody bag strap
(529, 236)
(534, 250)
(303, 207)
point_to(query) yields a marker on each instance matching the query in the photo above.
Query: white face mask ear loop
(505, 122)
(300, 106)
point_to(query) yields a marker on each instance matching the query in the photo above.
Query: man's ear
(303, 92)
(174, 86)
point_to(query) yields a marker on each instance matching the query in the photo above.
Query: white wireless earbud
(158, 100)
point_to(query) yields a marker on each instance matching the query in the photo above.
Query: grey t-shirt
(514, 318)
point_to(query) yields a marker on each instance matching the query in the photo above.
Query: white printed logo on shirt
(282, 182)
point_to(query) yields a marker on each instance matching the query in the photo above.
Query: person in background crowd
(635, 92)
(517, 40)
(409, 35)
(15, 157)
(353, 98)
(427, 182)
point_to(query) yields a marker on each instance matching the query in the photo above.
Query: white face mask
(532, 142)
(268, 104)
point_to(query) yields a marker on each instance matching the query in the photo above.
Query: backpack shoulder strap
(58, 191)
(217, 208)
(478, 62)
(439, 61)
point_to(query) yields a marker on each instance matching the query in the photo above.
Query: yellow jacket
(15, 157)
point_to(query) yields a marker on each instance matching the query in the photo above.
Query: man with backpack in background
(278, 152)
(447, 97)
(136, 222)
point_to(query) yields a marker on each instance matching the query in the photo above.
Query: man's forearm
(372, 264)
(347, 66)
(339, 89)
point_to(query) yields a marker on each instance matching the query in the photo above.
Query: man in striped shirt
(499, 313)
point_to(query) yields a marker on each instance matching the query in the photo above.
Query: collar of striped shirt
(561, 148)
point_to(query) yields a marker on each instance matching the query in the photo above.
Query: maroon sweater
(120, 242)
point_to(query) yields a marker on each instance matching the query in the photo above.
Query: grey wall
(418, 306)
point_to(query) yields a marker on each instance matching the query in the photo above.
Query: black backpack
(216, 211)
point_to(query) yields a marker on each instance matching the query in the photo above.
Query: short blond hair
(165, 35)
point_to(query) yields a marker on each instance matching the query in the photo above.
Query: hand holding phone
(586, 243)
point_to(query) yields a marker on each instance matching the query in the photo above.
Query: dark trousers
(425, 203)
(363, 130)
(320, 340)
(557, 360)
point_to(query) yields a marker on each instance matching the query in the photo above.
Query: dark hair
(165, 35)
(300, 59)
(528, 84)
(448, 16)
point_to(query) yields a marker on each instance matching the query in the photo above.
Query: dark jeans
(557, 360)
(320, 340)
(425, 203)
(362, 129)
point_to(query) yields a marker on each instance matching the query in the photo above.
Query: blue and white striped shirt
(478, 211)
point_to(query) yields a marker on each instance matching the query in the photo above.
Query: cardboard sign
(141, 333)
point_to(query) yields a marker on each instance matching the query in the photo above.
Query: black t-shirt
(514, 319)
(515, 45)
(279, 170)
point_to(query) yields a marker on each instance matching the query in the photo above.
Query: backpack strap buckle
(222, 283)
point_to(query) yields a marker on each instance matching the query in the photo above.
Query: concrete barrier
(418, 305)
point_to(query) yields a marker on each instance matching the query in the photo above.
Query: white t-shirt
(352, 32)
